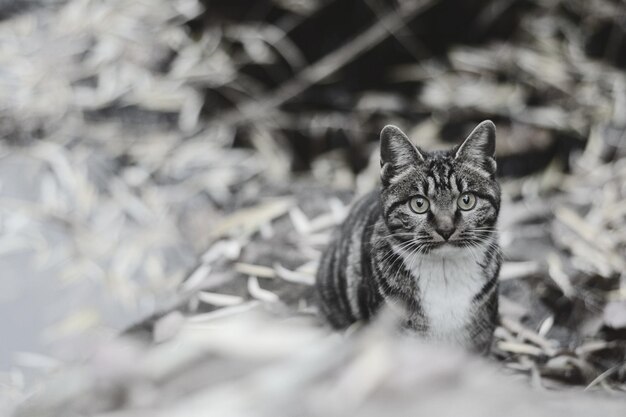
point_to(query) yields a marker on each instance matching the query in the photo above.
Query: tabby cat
(426, 242)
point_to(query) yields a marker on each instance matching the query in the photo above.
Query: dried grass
(130, 186)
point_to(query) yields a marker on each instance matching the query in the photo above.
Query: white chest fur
(448, 282)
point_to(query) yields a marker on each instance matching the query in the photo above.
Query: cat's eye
(466, 201)
(419, 204)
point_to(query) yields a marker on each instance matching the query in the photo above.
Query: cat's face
(440, 202)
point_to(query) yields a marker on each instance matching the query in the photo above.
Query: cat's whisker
(412, 236)
(405, 246)
(395, 235)
(482, 239)
(401, 246)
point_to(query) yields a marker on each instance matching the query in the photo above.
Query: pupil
(419, 203)
(466, 199)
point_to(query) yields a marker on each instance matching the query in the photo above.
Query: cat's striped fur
(440, 267)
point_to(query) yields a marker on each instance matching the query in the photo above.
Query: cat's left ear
(480, 146)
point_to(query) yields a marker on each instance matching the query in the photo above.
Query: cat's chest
(447, 287)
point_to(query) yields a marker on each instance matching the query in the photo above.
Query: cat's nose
(445, 232)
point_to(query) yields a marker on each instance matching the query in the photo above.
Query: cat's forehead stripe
(440, 174)
(453, 183)
(431, 185)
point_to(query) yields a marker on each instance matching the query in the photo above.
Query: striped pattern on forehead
(440, 175)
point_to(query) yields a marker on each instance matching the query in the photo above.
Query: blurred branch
(255, 109)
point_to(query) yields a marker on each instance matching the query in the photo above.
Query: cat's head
(440, 200)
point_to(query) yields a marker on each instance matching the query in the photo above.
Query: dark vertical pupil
(466, 199)
(420, 203)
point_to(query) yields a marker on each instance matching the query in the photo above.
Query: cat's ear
(396, 152)
(480, 146)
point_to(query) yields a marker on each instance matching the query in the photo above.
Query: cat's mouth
(456, 243)
(452, 247)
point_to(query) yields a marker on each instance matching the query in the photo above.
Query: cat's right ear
(397, 153)
(480, 147)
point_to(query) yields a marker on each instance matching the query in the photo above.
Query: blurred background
(149, 146)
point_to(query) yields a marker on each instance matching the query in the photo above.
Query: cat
(425, 241)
